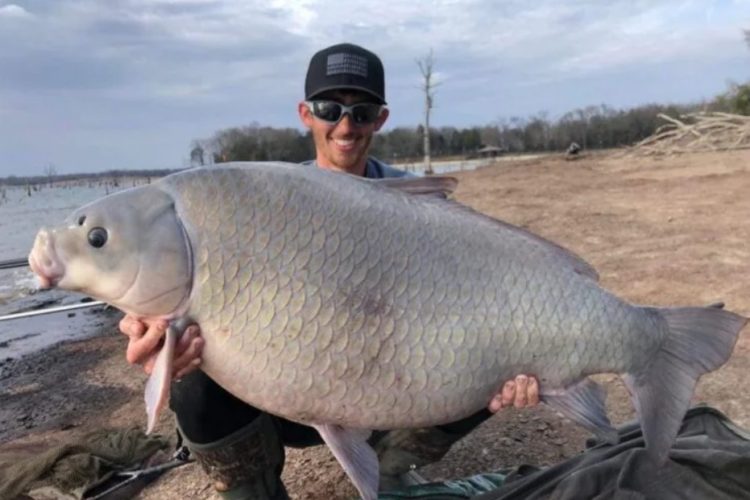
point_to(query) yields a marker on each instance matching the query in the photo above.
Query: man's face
(343, 145)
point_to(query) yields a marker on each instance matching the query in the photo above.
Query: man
(240, 447)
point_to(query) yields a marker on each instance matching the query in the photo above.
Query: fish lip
(44, 261)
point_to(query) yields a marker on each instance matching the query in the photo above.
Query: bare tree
(50, 171)
(425, 66)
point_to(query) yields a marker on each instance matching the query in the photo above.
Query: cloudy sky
(91, 85)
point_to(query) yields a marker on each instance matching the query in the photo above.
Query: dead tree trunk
(425, 66)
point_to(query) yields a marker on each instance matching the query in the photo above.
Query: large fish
(352, 304)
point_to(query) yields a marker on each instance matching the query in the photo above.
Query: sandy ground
(670, 231)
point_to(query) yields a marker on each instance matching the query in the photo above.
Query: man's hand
(521, 392)
(146, 339)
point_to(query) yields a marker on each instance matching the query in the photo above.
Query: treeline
(593, 127)
(253, 143)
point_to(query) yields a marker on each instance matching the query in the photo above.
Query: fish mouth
(45, 262)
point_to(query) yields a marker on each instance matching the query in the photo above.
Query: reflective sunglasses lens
(365, 113)
(327, 110)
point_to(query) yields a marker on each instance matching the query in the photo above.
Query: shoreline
(41, 390)
(25, 336)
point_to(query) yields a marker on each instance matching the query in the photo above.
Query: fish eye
(97, 237)
(81, 220)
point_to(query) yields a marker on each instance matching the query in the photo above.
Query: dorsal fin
(441, 187)
(436, 186)
(579, 265)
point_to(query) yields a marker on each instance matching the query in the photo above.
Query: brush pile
(693, 132)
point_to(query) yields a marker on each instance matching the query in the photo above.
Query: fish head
(128, 249)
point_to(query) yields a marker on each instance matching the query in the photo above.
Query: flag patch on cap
(343, 63)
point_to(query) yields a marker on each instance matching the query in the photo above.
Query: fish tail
(700, 339)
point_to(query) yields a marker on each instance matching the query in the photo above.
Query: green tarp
(67, 470)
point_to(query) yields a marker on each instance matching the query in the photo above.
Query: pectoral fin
(358, 459)
(584, 404)
(157, 387)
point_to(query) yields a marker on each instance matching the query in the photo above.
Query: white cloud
(13, 11)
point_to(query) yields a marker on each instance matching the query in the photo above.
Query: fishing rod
(51, 310)
(15, 263)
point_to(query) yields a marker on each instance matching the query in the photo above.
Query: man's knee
(205, 411)
(402, 450)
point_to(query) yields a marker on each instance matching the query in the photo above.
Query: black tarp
(709, 460)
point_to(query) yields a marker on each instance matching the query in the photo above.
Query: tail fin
(700, 340)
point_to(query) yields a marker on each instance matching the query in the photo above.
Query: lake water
(447, 167)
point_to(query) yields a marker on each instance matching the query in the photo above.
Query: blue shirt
(376, 169)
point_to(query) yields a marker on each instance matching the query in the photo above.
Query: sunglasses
(364, 113)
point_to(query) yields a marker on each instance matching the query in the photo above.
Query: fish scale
(407, 355)
(353, 304)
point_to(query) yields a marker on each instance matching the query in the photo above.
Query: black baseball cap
(345, 66)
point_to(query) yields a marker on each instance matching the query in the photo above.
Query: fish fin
(157, 387)
(699, 340)
(583, 403)
(441, 187)
(579, 265)
(358, 459)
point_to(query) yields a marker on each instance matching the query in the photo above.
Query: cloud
(147, 48)
(200, 47)
(168, 71)
(13, 11)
